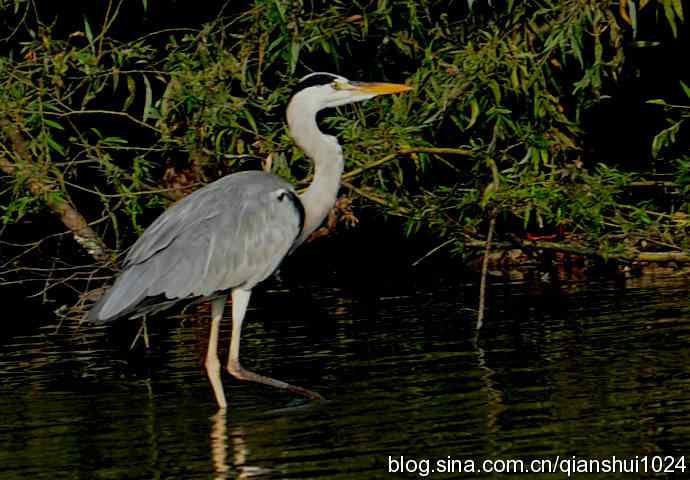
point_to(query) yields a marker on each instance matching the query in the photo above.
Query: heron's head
(320, 90)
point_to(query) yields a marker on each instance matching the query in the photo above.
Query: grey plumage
(232, 233)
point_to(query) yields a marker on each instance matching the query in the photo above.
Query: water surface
(589, 369)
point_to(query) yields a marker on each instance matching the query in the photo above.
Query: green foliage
(677, 115)
(125, 126)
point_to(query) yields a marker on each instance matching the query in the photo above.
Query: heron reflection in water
(233, 233)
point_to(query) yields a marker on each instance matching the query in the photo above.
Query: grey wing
(232, 233)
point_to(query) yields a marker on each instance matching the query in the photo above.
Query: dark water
(589, 370)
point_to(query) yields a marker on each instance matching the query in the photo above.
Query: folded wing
(232, 233)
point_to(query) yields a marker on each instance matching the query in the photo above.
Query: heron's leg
(212, 362)
(240, 300)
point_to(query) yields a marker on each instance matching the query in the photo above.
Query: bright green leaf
(56, 146)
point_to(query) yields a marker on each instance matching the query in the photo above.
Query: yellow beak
(379, 88)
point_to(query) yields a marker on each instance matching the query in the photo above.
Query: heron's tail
(121, 299)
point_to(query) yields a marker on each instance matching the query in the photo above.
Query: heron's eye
(338, 85)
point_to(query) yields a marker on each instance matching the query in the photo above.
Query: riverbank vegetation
(557, 124)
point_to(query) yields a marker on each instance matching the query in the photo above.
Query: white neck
(327, 156)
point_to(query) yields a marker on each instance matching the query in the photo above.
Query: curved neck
(327, 156)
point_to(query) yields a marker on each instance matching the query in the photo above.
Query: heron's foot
(241, 373)
(310, 394)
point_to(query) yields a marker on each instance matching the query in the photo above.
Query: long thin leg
(212, 362)
(240, 300)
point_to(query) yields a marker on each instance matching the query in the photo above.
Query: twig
(432, 251)
(163, 192)
(407, 151)
(142, 330)
(492, 187)
(20, 23)
(106, 112)
(146, 335)
(680, 257)
(652, 213)
(652, 183)
(485, 269)
(399, 211)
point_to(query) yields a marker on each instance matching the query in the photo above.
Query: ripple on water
(585, 369)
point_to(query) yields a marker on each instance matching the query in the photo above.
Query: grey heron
(234, 232)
